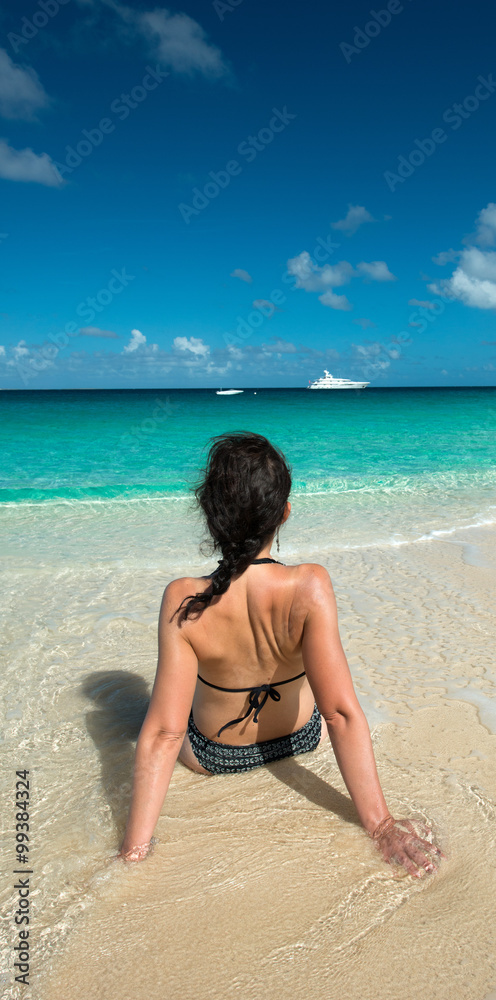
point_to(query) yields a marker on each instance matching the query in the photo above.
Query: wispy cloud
(446, 257)
(21, 93)
(334, 301)
(181, 44)
(24, 165)
(241, 274)
(175, 38)
(354, 218)
(364, 323)
(378, 353)
(279, 346)
(376, 270)
(426, 304)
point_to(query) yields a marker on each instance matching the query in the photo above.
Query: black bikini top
(258, 696)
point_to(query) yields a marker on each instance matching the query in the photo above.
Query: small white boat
(228, 392)
(327, 381)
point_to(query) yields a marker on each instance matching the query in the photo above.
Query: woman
(251, 667)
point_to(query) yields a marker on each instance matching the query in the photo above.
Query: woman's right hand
(400, 844)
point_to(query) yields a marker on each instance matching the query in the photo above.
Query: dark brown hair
(243, 495)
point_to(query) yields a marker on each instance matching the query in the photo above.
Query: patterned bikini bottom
(225, 758)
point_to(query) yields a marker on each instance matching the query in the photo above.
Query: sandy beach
(264, 882)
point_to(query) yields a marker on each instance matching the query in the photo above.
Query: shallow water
(261, 883)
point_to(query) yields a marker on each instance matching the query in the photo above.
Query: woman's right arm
(330, 679)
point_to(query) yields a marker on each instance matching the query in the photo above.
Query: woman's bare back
(251, 635)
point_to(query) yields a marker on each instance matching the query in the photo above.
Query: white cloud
(21, 93)
(243, 275)
(2, 351)
(376, 270)
(354, 218)
(94, 331)
(479, 264)
(194, 344)
(470, 291)
(20, 349)
(335, 301)
(485, 234)
(24, 165)
(138, 339)
(474, 280)
(313, 278)
(181, 43)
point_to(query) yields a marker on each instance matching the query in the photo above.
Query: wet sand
(263, 884)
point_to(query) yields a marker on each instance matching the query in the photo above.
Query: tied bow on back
(257, 698)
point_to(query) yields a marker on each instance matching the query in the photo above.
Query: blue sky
(236, 193)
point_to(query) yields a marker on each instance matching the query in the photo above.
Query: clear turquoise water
(147, 443)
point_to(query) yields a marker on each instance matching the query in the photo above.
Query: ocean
(394, 492)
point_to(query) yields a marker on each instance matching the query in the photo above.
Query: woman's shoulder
(309, 572)
(312, 583)
(183, 586)
(309, 580)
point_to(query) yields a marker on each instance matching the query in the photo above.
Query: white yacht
(327, 381)
(228, 392)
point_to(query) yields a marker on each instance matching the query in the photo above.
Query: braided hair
(243, 495)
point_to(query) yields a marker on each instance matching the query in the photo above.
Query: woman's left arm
(163, 729)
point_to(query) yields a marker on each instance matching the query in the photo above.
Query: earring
(277, 539)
